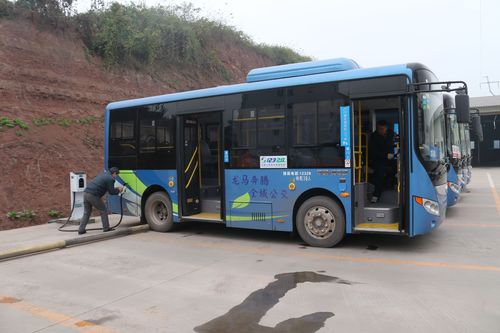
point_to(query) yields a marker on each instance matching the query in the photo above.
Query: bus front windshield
(467, 140)
(453, 136)
(463, 140)
(431, 123)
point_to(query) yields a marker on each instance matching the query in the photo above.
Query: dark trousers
(380, 175)
(89, 201)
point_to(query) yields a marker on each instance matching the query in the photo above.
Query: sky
(456, 39)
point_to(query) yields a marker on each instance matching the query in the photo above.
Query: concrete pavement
(207, 278)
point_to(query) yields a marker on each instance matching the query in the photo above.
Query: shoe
(374, 199)
(109, 229)
(82, 232)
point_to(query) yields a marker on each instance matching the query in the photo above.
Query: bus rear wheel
(320, 222)
(158, 212)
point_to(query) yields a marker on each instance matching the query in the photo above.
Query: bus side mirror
(462, 108)
(477, 128)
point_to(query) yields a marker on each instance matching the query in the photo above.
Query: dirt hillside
(59, 92)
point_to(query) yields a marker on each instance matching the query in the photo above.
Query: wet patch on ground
(245, 317)
(95, 322)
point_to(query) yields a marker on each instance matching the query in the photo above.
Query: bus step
(377, 227)
(210, 206)
(204, 216)
(385, 215)
(210, 191)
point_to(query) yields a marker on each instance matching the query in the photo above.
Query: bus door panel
(383, 211)
(404, 164)
(190, 167)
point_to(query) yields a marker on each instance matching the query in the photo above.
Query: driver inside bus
(381, 153)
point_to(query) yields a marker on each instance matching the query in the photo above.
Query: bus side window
(263, 111)
(244, 139)
(330, 152)
(271, 125)
(156, 138)
(122, 139)
(316, 127)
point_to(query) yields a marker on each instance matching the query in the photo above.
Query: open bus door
(200, 167)
(189, 168)
(382, 210)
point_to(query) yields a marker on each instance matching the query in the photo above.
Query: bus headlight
(454, 187)
(432, 207)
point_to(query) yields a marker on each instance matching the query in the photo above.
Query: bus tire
(320, 222)
(158, 212)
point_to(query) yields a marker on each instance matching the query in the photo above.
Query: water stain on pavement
(94, 322)
(245, 317)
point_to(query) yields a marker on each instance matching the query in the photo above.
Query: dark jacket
(101, 184)
(379, 147)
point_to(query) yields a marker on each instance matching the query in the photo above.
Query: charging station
(78, 182)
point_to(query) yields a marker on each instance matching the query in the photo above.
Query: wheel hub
(161, 211)
(319, 222)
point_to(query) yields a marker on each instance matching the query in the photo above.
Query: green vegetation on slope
(145, 37)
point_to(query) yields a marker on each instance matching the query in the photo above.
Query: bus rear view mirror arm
(444, 86)
(461, 98)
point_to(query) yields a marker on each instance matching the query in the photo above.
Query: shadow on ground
(357, 241)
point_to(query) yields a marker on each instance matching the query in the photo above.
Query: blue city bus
(464, 131)
(455, 147)
(289, 150)
(473, 130)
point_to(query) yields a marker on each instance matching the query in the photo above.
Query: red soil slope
(49, 75)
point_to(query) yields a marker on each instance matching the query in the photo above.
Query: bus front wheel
(320, 222)
(158, 212)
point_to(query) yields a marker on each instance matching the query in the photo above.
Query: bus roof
(301, 69)
(349, 74)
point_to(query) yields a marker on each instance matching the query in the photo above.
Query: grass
(65, 122)
(5, 122)
(13, 215)
(43, 121)
(25, 214)
(20, 123)
(55, 213)
(146, 37)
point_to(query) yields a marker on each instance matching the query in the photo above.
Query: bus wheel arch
(156, 209)
(327, 206)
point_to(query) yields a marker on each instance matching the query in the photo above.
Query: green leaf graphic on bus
(242, 201)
